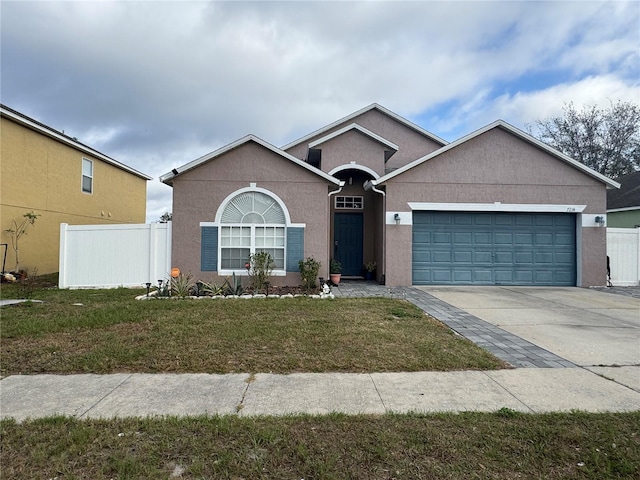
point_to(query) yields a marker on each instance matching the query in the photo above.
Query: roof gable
(47, 131)
(354, 126)
(629, 194)
(373, 106)
(169, 176)
(513, 130)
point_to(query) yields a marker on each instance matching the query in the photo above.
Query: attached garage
(493, 248)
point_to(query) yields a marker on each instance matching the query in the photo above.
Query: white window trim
(243, 272)
(82, 175)
(335, 200)
(217, 223)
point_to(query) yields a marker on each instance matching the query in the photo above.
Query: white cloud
(157, 84)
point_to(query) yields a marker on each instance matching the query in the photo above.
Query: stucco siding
(353, 146)
(495, 167)
(412, 144)
(198, 194)
(44, 175)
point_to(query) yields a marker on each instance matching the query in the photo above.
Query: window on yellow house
(87, 175)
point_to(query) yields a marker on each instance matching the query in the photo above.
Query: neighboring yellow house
(47, 172)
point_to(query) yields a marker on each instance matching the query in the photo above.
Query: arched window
(251, 222)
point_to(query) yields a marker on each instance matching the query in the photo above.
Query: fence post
(153, 233)
(62, 259)
(638, 256)
(168, 238)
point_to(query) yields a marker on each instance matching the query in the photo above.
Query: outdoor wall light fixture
(396, 217)
(600, 220)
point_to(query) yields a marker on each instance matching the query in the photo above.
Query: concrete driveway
(588, 327)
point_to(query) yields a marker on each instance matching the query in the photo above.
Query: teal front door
(347, 242)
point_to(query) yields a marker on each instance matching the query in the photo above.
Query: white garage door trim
(498, 207)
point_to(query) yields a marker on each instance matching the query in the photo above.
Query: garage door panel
(482, 238)
(442, 238)
(482, 257)
(463, 219)
(482, 219)
(503, 239)
(543, 257)
(524, 220)
(482, 276)
(462, 276)
(503, 276)
(463, 256)
(562, 278)
(463, 238)
(544, 276)
(504, 220)
(544, 220)
(442, 276)
(544, 239)
(523, 276)
(494, 248)
(503, 257)
(440, 256)
(523, 239)
(523, 258)
(563, 239)
(562, 258)
(564, 221)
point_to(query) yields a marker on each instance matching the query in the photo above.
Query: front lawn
(107, 331)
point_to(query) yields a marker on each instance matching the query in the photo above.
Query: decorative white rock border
(326, 293)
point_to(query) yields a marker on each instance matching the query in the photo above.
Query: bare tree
(18, 229)
(606, 140)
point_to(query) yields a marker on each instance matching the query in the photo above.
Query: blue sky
(158, 84)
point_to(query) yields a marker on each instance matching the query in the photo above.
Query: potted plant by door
(370, 270)
(335, 267)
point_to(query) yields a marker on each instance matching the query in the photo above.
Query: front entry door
(347, 242)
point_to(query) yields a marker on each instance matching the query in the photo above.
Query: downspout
(370, 185)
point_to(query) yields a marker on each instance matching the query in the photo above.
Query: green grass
(504, 445)
(106, 331)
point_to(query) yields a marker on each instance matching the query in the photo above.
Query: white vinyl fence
(114, 255)
(623, 250)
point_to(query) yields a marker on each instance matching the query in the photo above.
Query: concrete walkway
(546, 383)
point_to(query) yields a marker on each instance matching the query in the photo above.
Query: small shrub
(232, 285)
(335, 266)
(211, 289)
(182, 285)
(260, 266)
(309, 269)
(28, 283)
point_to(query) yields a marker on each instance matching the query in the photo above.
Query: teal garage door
(485, 248)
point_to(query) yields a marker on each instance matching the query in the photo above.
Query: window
(349, 203)
(251, 222)
(87, 176)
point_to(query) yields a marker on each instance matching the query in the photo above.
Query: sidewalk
(543, 382)
(135, 395)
